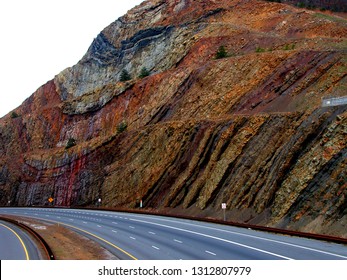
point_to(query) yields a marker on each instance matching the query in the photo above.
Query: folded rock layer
(247, 129)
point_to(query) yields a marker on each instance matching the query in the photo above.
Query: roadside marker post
(224, 206)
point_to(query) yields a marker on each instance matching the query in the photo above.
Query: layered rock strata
(247, 130)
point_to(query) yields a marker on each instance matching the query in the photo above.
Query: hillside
(246, 129)
(333, 5)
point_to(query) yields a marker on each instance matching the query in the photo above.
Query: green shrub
(288, 47)
(125, 76)
(70, 143)
(221, 53)
(14, 115)
(301, 5)
(122, 127)
(259, 50)
(144, 73)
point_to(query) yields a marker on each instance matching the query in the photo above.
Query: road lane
(291, 247)
(12, 246)
(131, 236)
(16, 244)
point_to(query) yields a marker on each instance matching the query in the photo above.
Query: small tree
(122, 127)
(144, 73)
(70, 143)
(221, 53)
(14, 115)
(125, 76)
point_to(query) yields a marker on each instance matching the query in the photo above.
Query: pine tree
(125, 76)
(70, 143)
(144, 73)
(221, 53)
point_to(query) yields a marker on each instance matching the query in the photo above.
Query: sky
(40, 38)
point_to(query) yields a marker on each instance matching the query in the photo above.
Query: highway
(147, 237)
(16, 244)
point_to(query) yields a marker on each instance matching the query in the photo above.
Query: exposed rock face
(247, 130)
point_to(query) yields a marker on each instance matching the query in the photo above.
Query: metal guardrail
(335, 101)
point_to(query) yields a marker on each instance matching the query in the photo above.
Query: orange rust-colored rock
(247, 129)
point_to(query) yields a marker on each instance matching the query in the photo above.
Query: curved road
(136, 236)
(16, 244)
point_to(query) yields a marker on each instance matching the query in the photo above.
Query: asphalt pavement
(16, 244)
(147, 237)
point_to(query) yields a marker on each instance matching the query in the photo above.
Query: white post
(224, 206)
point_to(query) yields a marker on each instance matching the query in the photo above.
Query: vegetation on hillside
(332, 5)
